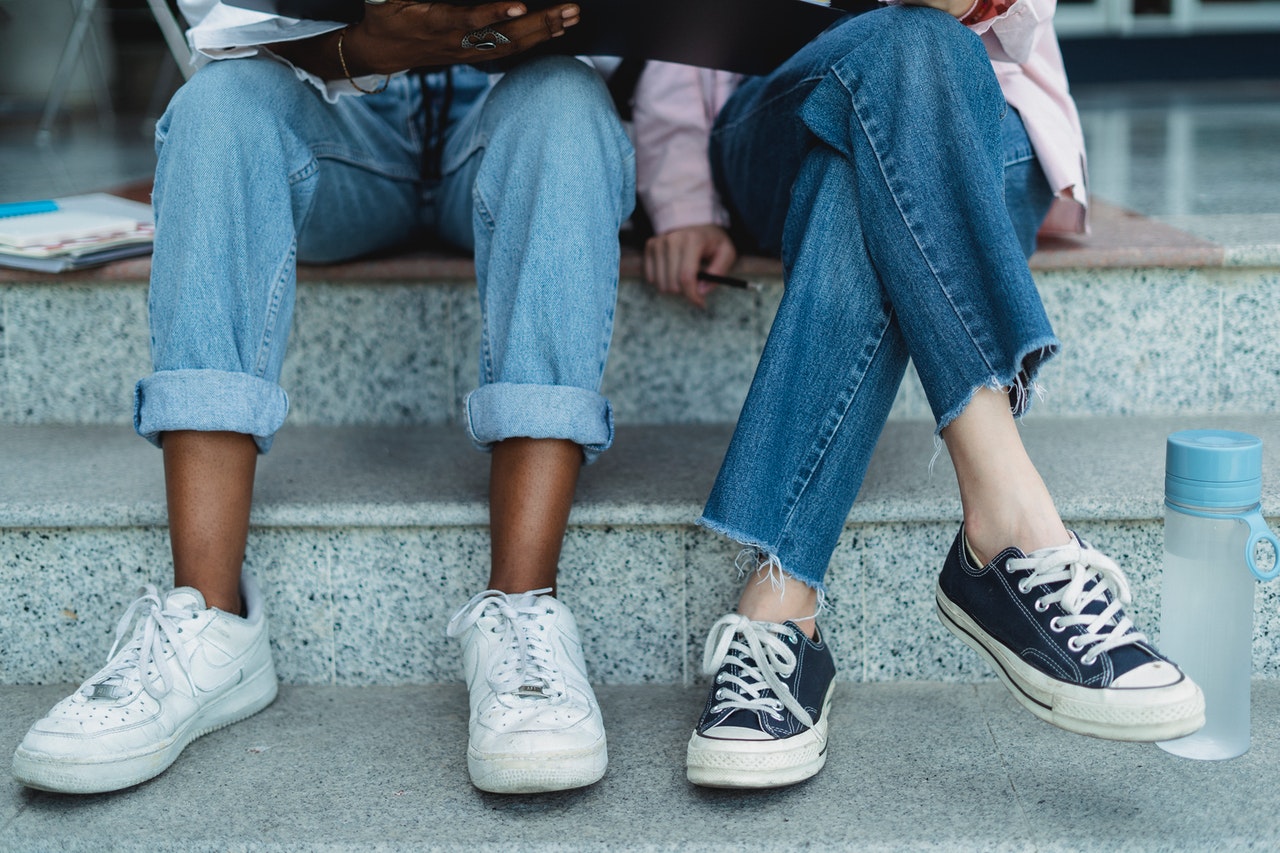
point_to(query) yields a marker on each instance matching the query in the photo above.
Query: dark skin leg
(209, 487)
(531, 486)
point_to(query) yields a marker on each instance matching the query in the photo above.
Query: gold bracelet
(342, 60)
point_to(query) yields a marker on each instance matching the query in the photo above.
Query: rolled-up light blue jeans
(257, 172)
(902, 191)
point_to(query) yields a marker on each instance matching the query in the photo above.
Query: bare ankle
(772, 596)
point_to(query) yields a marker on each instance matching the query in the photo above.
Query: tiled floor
(1166, 150)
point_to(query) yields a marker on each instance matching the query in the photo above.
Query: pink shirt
(676, 105)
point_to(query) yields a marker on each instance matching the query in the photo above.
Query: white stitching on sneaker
(1085, 574)
(528, 668)
(143, 654)
(774, 661)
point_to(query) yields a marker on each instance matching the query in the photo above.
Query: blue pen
(22, 208)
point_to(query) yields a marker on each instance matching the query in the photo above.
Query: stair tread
(329, 769)
(103, 475)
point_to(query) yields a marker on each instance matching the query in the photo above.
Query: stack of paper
(74, 232)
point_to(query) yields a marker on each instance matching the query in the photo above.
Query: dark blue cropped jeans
(884, 164)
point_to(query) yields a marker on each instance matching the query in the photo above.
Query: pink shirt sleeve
(675, 106)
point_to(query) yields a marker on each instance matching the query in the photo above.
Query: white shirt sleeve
(220, 31)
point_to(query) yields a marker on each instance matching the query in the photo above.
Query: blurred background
(1180, 98)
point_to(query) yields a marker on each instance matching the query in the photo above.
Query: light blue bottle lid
(1213, 468)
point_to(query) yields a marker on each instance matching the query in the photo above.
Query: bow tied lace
(1080, 579)
(527, 667)
(760, 659)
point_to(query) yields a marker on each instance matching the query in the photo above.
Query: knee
(558, 98)
(915, 40)
(226, 100)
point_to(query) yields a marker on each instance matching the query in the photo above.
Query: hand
(402, 34)
(955, 8)
(672, 260)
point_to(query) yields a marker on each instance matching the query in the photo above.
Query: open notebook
(747, 36)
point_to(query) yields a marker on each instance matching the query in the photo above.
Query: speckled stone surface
(1146, 344)
(373, 354)
(1149, 341)
(366, 541)
(1248, 239)
(922, 766)
(73, 352)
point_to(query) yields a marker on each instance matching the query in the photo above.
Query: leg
(538, 178)
(884, 259)
(209, 487)
(254, 170)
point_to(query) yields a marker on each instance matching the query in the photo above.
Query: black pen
(727, 281)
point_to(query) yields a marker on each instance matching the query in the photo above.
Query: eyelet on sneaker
(719, 678)
(1073, 645)
(1023, 588)
(1041, 605)
(1055, 626)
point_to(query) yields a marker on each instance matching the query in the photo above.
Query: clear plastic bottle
(1213, 528)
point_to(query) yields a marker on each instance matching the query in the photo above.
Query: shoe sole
(59, 775)
(714, 763)
(536, 774)
(1127, 714)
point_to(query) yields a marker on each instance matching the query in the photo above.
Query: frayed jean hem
(209, 401)
(768, 552)
(1020, 383)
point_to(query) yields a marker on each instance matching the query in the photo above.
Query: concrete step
(1155, 321)
(367, 539)
(926, 766)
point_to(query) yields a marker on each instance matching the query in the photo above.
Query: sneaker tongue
(184, 598)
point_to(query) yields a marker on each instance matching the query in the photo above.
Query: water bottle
(1214, 535)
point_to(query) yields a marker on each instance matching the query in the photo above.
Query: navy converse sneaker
(1051, 625)
(765, 722)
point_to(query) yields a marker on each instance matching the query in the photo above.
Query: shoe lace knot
(1091, 590)
(758, 659)
(527, 667)
(142, 635)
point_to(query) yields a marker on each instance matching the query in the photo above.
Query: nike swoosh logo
(208, 677)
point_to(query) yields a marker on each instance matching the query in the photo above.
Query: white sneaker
(535, 724)
(178, 670)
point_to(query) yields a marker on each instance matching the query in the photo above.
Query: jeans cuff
(503, 410)
(208, 401)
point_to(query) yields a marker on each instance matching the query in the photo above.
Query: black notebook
(748, 36)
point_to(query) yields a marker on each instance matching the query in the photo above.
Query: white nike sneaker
(535, 724)
(178, 670)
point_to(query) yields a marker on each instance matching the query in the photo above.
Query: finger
(690, 261)
(723, 255)
(536, 27)
(650, 268)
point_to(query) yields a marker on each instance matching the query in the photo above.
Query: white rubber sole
(525, 774)
(1128, 714)
(716, 763)
(112, 773)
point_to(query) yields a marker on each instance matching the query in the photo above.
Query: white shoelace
(139, 646)
(734, 639)
(1081, 576)
(527, 668)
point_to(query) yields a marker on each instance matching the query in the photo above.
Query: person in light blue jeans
(904, 194)
(261, 166)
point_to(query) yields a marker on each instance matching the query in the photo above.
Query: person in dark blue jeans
(904, 192)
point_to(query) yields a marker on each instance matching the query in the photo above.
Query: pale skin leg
(209, 486)
(1004, 500)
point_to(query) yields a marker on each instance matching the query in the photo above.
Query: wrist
(351, 59)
